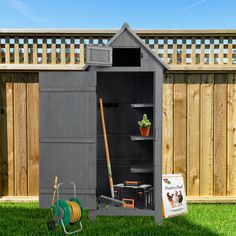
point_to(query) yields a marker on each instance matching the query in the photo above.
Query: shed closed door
(68, 134)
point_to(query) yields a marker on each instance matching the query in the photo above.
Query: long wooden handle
(107, 150)
(55, 189)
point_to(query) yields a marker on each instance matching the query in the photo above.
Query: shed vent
(126, 57)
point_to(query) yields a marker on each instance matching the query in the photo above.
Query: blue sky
(109, 14)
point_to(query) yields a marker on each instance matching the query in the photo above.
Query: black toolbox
(134, 194)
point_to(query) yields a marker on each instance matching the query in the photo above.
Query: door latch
(156, 135)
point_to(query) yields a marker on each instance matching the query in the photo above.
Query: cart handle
(63, 183)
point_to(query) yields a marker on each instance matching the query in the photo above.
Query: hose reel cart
(66, 212)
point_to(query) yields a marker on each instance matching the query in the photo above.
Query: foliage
(144, 123)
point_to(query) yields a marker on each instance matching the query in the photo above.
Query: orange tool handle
(135, 183)
(107, 150)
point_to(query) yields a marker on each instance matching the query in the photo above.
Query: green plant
(144, 123)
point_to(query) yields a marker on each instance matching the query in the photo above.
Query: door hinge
(156, 135)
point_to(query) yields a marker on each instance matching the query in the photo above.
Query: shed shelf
(141, 105)
(140, 138)
(141, 169)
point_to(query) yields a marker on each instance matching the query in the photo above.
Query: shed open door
(68, 135)
(98, 55)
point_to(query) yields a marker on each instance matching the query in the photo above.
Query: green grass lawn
(208, 219)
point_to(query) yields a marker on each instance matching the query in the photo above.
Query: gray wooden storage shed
(128, 76)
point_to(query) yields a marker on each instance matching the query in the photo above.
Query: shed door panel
(70, 162)
(65, 114)
(68, 133)
(99, 55)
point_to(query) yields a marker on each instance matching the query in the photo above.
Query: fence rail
(63, 47)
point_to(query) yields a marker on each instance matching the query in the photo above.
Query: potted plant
(144, 126)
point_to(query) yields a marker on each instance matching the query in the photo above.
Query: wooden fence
(19, 134)
(66, 47)
(199, 132)
(199, 100)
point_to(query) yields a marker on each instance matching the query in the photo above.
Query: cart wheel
(51, 225)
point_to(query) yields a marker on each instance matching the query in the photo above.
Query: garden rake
(104, 200)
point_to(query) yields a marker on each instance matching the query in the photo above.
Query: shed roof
(125, 27)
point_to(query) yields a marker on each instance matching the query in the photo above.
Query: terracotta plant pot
(144, 131)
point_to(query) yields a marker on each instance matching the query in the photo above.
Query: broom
(104, 199)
